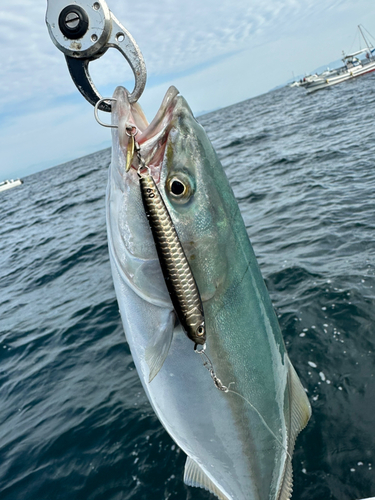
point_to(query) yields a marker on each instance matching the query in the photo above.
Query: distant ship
(353, 67)
(10, 184)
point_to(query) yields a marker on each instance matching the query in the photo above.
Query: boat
(308, 79)
(353, 66)
(10, 184)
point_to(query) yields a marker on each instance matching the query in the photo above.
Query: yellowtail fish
(238, 440)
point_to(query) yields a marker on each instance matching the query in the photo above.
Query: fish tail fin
(195, 476)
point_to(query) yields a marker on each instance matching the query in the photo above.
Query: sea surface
(74, 421)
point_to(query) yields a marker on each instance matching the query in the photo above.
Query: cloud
(174, 36)
(49, 137)
(217, 53)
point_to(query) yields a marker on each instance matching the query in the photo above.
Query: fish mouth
(151, 138)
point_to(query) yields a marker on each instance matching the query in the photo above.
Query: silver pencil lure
(177, 273)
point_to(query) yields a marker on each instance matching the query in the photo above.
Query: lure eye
(179, 188)
(200, 330)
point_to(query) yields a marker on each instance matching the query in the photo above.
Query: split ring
(96, 108)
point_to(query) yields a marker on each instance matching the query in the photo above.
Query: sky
(216, 52)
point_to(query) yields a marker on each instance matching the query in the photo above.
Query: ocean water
(74, 421)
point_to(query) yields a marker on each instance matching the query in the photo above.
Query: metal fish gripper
(84, 31)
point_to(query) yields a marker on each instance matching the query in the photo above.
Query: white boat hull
(10, 184)
(353, 72)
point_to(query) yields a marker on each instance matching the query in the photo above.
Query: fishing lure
(177, 273)
(176, 270)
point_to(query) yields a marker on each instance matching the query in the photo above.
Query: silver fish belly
(239, 443)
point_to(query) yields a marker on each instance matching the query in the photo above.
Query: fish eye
(179, 188)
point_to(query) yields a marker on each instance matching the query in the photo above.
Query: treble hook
(84, 31)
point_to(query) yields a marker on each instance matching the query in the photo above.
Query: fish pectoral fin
(158, 347)
(194, 476)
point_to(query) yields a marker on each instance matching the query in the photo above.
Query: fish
(234, 405)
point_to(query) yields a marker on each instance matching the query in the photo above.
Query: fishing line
(207, 363)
